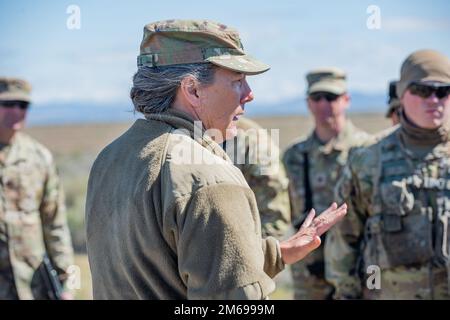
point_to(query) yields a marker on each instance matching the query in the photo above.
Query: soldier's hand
(307, 237)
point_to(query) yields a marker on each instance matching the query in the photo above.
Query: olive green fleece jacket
(162, 224)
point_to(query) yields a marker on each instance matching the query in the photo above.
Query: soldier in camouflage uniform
(32, 213)
(398, 191)
(314, 164)
(394, 109)
(257, 156)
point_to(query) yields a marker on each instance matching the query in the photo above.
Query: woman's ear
(189, 89)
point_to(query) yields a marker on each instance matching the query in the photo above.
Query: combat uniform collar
(182, 120)
(419, 136)
(423, 143)
(338, 143)
(441, 150)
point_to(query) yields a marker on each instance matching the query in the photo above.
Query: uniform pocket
(400, 235)
(31, 246)
(396, 198)
(30, 187)
(411, 245)
(408, 246)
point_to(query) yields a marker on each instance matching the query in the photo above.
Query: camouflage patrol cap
(394, 102)
(423, 66)
(173, 42)
(13, 89)
(331, 80)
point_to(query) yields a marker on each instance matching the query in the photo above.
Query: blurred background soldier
(258, 157)
(398, 191)
(32, 211)
(314, 164)
(394, 110)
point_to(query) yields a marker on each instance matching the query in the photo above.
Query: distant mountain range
(64, 113)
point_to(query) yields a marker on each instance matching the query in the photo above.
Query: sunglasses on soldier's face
(23, 105)
(317, 96)
(425, 91)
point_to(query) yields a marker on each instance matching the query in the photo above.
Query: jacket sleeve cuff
(273, 263)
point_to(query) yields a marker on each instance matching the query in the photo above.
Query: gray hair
(154, 89)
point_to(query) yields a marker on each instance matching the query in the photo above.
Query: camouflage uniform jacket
(326, 162)
(399, 204)
(32, 218)
(257, 156)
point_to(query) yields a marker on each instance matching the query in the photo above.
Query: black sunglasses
(11, 104)
(425, 90)
(317, 96)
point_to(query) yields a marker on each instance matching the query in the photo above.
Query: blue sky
(95, 63)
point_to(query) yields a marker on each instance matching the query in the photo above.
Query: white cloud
(370, 58)
(85, 94)
(83, 77)
(369, 61)
(412, 24)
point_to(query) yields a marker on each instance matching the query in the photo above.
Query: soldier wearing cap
(256, 154)
(394, 109)
(314, 164)
(394, 244)
(168, 214)
(32, 211)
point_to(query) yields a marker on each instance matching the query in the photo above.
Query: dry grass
(91, 138)
(78, 138)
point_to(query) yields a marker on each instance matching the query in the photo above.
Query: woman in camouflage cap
(168, 215)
